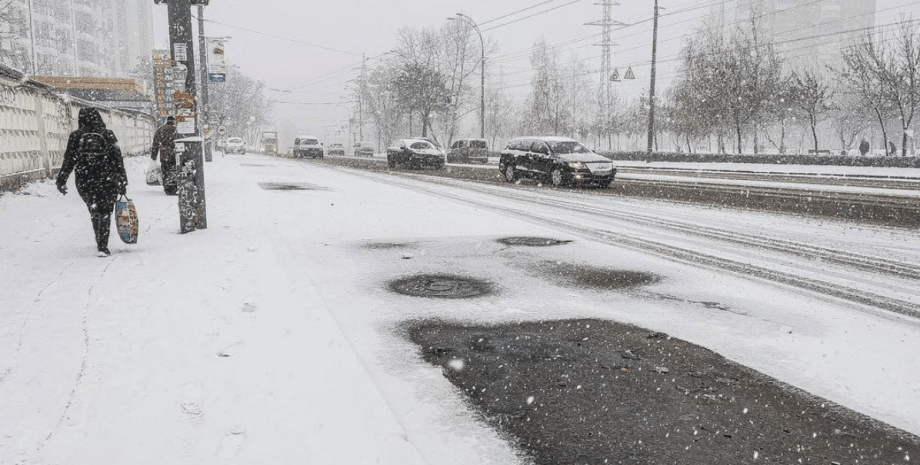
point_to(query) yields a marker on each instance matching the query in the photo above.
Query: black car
(556, 160)
(414, 153)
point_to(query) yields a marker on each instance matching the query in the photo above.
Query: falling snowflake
(456, 364)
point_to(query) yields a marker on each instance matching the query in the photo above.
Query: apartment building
(805, 32)
(75, 37)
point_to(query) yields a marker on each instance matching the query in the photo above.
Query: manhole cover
(289, 186)
(441, 286)
(532, 241)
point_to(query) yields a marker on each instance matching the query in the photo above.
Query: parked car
(236, 145)
(308, 146)
(364, 149)
(473, 151)
(336, 149)
(414, 153)
(557, 160)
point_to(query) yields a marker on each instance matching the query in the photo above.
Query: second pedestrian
(164, 145)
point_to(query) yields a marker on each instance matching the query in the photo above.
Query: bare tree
(901, 77)
(811, 95)
(11, 22)
(862, 72)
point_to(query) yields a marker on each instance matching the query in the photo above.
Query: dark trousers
(168, 166)
(100, 205)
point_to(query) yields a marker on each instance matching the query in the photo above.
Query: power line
(282, 38)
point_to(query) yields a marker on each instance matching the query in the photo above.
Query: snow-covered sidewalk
(209, 347)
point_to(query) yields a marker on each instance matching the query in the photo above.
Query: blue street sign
(217, 77)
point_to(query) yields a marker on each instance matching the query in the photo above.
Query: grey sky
(368, 26)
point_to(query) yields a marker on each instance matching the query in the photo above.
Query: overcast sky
(276, 44)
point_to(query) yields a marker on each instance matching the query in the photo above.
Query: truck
(268, 142)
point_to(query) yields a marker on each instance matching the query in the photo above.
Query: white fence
(35, 124)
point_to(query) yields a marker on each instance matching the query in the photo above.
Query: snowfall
(271, 337)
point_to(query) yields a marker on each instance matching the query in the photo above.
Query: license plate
(600, 168)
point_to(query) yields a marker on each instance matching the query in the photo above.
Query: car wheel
(555, 177)
(509, 173)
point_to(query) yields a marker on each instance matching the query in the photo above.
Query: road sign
(222, 129)
(217, 77)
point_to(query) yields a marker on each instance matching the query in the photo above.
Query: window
(478, 144)
(567, 147)
(540, 147)
(421, 145)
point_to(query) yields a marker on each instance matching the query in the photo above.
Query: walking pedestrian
(892, 149)
(863, 147)
(164, 144)
(95, 159)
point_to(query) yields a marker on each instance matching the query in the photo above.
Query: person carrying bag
(95, 159)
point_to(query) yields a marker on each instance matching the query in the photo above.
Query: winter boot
(103, 223)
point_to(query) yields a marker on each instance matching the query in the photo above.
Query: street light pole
(203, 97)
(482, 72)
(651, 91)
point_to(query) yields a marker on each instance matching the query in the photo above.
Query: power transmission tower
(606, 24)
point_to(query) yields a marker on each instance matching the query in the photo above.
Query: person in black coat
(99, 171)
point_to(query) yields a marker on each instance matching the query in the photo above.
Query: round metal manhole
(441, 286)
(531, 241)
(291, 186)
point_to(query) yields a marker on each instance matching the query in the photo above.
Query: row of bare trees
(735, 89)
(741, 85)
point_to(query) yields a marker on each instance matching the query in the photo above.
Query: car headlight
(577, 165)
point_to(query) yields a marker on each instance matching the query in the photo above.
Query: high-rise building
(75, 37)
(805, 32)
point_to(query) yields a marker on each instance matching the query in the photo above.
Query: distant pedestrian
(99, 172)
(863, 147)
(164, 144)
(892, 149)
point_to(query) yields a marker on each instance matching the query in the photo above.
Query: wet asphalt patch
(531, 241)
(441, 286)
(600, 392)
(389, 245)
(593, 277)
(291, 186)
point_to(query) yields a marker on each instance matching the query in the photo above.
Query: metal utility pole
(606, 44)
(192, 205)
(361, 98)
(651, 88)
(203, 96)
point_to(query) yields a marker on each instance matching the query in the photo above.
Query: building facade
(75, 37)
(805, 32)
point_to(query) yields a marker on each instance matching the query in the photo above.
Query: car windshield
(309, 142)
(421, 146)
(563, 148)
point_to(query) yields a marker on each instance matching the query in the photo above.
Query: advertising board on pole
(217, 61)
(163, 84)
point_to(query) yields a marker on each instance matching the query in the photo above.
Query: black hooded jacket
(103, 175)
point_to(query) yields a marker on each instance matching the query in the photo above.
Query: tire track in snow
(693, 257)
(76, 384)
(25, 323)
